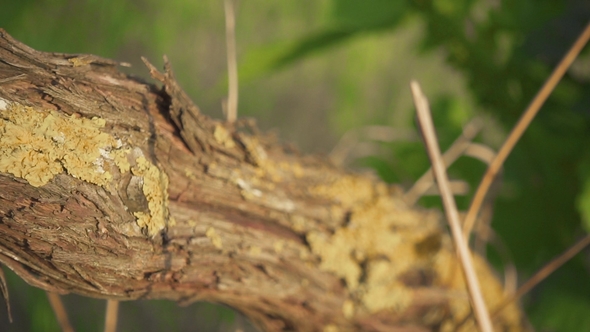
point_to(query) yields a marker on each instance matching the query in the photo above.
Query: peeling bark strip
(114, 188)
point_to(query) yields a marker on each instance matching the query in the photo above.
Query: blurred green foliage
(496, 47)
(342, 64)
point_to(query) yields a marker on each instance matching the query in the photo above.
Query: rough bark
(115, 188)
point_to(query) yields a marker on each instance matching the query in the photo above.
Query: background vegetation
(314, 70)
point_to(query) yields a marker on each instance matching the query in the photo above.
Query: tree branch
(118, 189)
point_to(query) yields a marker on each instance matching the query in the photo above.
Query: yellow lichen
(349, 190)
(80, 61)
(120, 158)
(143, 219)
(386, 296)
(278, 246)
(448, 267)
(214, 237)
(37, 144)
(297, 170)
(255, 150)
(304, 254)
(330, 328)
(348, 309)
(189, 174)
(223, 137)
(255, 251)
(380, 238)
(301, 223)
(155, 189)
(336, 256)
(385, 241)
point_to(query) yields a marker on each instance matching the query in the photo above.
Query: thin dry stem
(485, 216)
(110, 322)
(351, 140)
(239, 323)
(544, 273)
(481, 152)
(479, 307)
(60, 312)
(457, 149)
(4, 292)
(520, 127)
(486, 235)
(232, 64)
(458, 187)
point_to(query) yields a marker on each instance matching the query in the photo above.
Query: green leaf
(349, 18)
(276, 56)
(367, 15)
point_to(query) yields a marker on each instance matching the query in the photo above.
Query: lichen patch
(80, 61)
(278, 246)
(330, 328)
(119, 156)
(223, 137)
(214, 237)
(349, 190)
(382, 243)
(348, 309)
(255, 251)
(378, 243)
(155, 189)
(36, 145)
(335, 253)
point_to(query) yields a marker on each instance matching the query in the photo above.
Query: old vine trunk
(114, 188)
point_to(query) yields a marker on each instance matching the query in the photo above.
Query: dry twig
(110, 322)
(544, 273)
(458, 147)
(232, 64)
(350, 142)
(60, 312)
(485, 235)
(425, 120)
(4, 292)
(520, 127)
